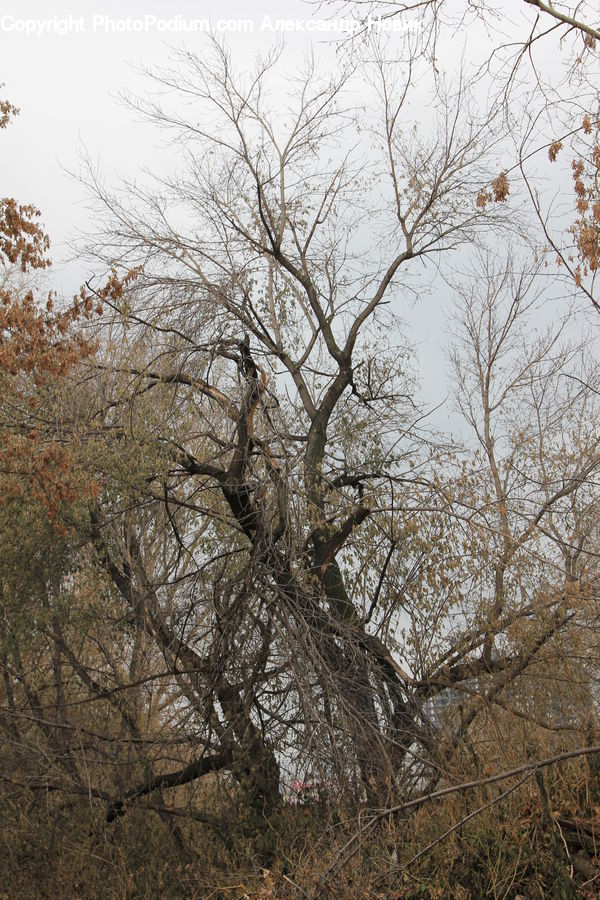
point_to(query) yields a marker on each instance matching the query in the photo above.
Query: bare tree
(265, 312)
(279, 572)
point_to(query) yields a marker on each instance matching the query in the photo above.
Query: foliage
(233, 556)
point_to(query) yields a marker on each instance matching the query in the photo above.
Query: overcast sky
(66, 85)
(64, 65)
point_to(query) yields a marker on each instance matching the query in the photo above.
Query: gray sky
(66, 86)
(65, 76)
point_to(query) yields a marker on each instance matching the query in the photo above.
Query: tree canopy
(254, 601)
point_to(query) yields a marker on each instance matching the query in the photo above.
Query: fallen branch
(352, 846)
